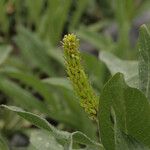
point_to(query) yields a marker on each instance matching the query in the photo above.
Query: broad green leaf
(123, 140)
(127, 142)
(128, 68)
(131, 108)
(64, 137)
(4, 53)
(40, 139)
(144, 61)
(38, 121)
(43, 140)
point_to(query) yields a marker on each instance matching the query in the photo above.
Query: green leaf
(44, 140)
(21, 96)
(3, 145)
(97, 40)
(62, 82)
(34, 11)
(144, 61)
(128, 68)
(123, 11)
(71, 111)
(4, 53)
(125, 141)
(40, 139)
(38, 121)
(81, 138)
(95, 70)
(56, 54)
(64, 105)
(34, 50)
(80, 8)
(51, 25)
(34, 82)
(64, 137)
(24, 99)
(4, 21)
(132, 110)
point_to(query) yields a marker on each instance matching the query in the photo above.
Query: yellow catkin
(77, 76)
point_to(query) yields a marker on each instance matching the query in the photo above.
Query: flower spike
(77, 76)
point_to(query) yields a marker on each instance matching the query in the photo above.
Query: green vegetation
(105, 102)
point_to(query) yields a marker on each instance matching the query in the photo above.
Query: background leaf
(34, 50)
(100, 42)
(3, 144)
(21, 96)
(63, 82)
(128, 68)
(4, 53)
(81, 6)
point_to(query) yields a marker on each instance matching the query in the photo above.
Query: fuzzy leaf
(44, 140)
(64, 137)
(132, 110)
(144, 61)
(128, 68)
(123, 140)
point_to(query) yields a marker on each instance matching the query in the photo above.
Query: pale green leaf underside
(43, 140)
(128, 68)
(64, 137)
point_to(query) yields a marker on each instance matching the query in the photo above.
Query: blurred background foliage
(32, 73)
